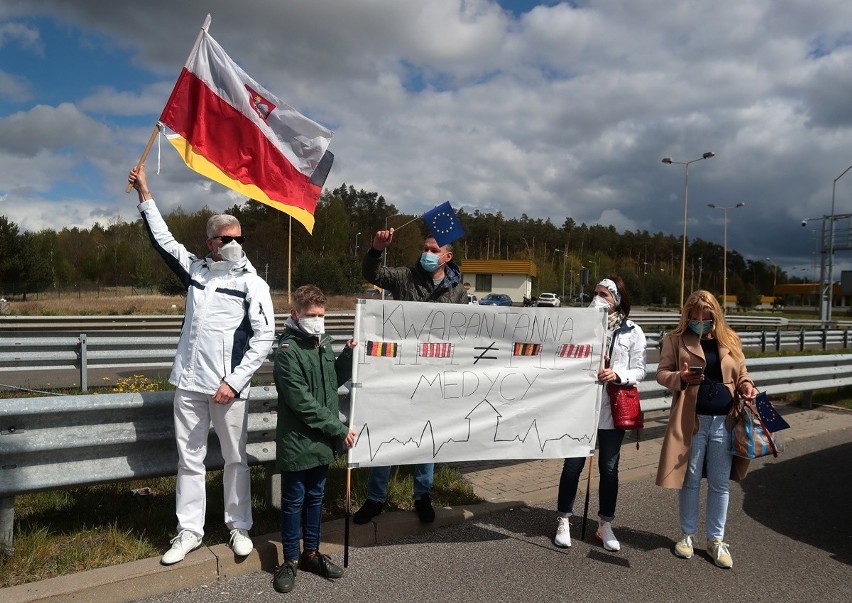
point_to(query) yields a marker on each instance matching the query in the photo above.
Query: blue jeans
(712, 444)
(301, 506)
(377, 486)
(609, 445)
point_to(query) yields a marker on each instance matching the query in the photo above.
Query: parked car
(471, 299)
(548, 299)
(496, 299)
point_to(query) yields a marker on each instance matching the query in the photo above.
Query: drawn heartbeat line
(490, 348)
(428, 434)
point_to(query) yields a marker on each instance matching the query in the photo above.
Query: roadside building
(511, 277)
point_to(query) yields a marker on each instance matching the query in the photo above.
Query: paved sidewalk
(536, 482)
(503, 485)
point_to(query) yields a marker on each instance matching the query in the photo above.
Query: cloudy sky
(552, 109)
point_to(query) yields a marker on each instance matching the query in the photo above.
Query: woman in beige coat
(702, 363)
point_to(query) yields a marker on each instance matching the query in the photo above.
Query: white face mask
(231, 252)
(312, 325)
(599, 302)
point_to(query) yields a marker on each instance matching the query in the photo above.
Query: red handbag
(624, 402)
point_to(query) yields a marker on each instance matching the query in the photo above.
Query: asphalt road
(789, 527)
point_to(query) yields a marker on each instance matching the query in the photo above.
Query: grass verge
(67, 531)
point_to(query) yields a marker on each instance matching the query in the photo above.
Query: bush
(170, 285)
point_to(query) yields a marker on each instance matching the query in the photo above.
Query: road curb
(148, 578)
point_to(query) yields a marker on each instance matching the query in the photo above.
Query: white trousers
(194, 413)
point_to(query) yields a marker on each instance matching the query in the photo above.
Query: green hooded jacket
(309, 432)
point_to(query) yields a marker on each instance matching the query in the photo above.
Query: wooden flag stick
(348, 515)
(407, 223)
(145, 152)
(205, 25)
(588, 490)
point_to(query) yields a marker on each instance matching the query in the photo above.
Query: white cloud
(562, 111)
(14, 88)
(21, 35)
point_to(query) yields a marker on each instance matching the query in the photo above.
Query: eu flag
(443, 224)
(773, 421)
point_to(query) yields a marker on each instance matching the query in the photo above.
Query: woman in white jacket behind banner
(625, 365)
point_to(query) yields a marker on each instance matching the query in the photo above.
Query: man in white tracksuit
(227, 333)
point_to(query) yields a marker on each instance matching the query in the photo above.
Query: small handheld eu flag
(443, 224)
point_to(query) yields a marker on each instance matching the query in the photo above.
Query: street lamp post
(774, 274)
(357, 234)
(724, 253)
(564, 261)
(596, 269)
(685, 164)
(826, 249)
(831, 249)
(385, 253)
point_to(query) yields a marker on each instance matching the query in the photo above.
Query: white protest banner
(451, 382)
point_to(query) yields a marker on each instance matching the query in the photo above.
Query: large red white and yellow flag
(231, 129)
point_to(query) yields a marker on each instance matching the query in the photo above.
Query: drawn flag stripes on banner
(436, 350)
(570, 350)
(381, 348)
(527, 349)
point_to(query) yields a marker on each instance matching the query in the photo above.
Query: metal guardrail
(141, 322)
(343, 321)
(121, 345)
(773, 375)
(69, 441)
(42, 357)
(61, 442)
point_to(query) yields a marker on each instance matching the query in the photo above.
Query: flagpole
(204, 27)
(588, 490)
(289, 258)
(145, 153)
(348, 515)
(351, 422)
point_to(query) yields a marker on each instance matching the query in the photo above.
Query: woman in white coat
(625, 365)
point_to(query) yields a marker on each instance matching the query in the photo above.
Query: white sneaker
(240, 542)
(684, 546)
(563, 531)
(721, 554)
(182, 544)
(605, 535)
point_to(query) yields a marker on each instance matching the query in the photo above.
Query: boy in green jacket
(310, 434)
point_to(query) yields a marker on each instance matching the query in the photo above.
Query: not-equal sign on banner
(572, 350)
(436, 350)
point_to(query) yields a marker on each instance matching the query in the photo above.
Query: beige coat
(683, 420)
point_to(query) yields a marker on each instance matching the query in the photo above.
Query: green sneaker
(684, 546)
(721, 555)
(321, 565)
(285, 577)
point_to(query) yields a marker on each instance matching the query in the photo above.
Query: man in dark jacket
(435, 278)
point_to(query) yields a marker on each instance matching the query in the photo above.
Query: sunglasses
(227, 239)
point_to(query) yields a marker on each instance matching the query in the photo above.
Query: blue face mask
(700, 327)
(429, 261)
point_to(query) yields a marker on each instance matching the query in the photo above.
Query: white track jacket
(228, 327)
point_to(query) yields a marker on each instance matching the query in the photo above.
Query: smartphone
(696, 370)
